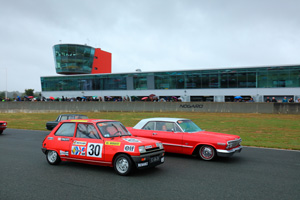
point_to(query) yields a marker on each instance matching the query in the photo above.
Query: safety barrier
(94, 106)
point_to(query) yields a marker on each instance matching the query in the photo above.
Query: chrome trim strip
(236, 140)
(68, 158)
(229, 151)
(176, 145)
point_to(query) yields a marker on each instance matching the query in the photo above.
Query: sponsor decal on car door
(87, 149)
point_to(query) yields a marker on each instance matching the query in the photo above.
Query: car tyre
(207, 152)
(52, 157)
(1, 131)
(123, 164)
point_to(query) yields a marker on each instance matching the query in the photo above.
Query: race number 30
(94, 150)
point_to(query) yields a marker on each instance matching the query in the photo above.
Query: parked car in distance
(101, 142)
(51, 124)
(183, 136)
(3, 125)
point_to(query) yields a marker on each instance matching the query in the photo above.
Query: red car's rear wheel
(52, 157)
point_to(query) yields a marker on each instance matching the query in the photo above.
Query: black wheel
(207, 152)
(123, 164)
(1, 131)
(52, 157)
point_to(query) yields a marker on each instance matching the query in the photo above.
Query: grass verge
(260, 130)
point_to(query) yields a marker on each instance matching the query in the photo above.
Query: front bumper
(228, 153)
(44, 150)
(148, 160)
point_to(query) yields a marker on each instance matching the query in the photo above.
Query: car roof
(170, 119)
(89, 120)
(162, 119)
(72, 115)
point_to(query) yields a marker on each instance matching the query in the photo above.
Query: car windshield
(112, 129)
(188, 126)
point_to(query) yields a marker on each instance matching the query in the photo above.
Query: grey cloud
(151, 35)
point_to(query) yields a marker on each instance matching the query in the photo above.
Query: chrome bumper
(227, 153)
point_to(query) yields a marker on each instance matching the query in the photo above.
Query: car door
(63, 138)
(148, 130)
(87, 145)
(169, 134)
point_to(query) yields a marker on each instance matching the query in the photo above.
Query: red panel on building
(102, 62)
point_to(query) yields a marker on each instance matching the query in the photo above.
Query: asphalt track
(255, 173)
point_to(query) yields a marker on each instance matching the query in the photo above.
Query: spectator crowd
(151, 98)
(284, 100)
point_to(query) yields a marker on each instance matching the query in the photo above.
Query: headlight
(229, 146)
(142, 149)
(160, 145)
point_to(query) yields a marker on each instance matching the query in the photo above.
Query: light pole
(5, 83)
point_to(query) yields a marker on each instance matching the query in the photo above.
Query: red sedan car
(180, 135)
(3, 125)
(101, 142)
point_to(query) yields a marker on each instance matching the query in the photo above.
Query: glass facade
(169, 80)
(73, 59)
(140, 81)
(76, 83)
(261, 77)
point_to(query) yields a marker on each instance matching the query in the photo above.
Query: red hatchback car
(3, 125)
(183, 136)
(101, 142)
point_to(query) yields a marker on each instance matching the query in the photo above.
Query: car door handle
(154, 133)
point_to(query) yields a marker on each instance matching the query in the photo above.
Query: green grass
(260, 130)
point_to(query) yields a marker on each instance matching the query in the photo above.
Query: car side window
(164, 126)
(149, 126)
(63, 118)
(66, 129)
(87, 131)
(176, 128)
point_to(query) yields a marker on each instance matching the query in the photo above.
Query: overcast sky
(151, 35)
